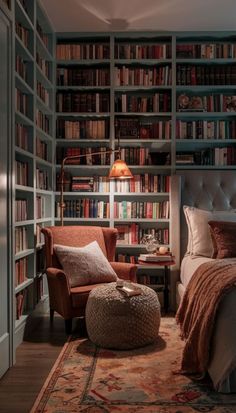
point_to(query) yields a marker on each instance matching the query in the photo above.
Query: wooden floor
(34, 359)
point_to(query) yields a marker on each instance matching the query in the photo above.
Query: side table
(166, 265)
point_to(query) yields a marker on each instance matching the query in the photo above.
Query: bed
(211, 191)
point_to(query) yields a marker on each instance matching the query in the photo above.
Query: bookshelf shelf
(22, 286)
(24, 253)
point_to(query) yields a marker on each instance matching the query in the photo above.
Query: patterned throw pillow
(224, 238)
(86, 265)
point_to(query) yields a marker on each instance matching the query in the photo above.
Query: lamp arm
(64, 161)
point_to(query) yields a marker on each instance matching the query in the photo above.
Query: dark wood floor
(35, 357)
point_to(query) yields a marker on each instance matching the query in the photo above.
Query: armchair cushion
(86, 265)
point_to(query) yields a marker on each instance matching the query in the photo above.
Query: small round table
(116, 321)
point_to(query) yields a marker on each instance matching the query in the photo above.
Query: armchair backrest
(78, 236)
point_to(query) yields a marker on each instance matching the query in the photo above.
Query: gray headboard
(210, 190)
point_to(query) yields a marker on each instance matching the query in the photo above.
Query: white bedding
(189, 265)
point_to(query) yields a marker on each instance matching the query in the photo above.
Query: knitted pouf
(119, 322)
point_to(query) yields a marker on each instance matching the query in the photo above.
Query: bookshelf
(111, 87)
(34, 151)
(205, 90)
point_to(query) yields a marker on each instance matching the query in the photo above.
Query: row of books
(43, 36)
(21, 239)
(20, 298)
(21, 102)
(43, 93)
(83, 77)
(143, 129)
(141, 209)
(42, 179)
(154, 102)
(206, 51)
(154, 76)
(132, 234)
(42, 121)
(97, 183)
(39, 235)
(83, 102)
(88, 159)
(21, 68)
(144, 183)
(43, 64)
(205, 74)
(21, 270)
(21, 136)
(41, 149)
(216, 102)
(40, 207)
(206, 129)
(144, 156)
(209, 156)
(84, 208)
(21, 210)
(23, 33)
(149, 279)
(83, 129)
(21, 173)
(142, 51)
(82, 51)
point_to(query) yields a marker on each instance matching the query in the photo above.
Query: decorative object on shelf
(163, 250)
(119, 170)
(151, 243)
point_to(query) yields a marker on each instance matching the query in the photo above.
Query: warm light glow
(120, 170)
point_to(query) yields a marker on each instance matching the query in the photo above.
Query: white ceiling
(141, 15)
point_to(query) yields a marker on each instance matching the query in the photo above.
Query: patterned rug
(94, 380)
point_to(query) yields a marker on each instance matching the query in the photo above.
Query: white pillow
(199, 237)
(86, 265)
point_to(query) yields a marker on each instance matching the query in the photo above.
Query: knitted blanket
(198, 311)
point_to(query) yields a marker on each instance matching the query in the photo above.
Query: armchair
(69, 301)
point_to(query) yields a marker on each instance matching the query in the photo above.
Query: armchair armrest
(59, 291)
(125, 271)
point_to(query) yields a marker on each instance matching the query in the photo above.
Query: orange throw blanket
(198, 310)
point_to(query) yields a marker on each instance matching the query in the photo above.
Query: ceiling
(141, 15)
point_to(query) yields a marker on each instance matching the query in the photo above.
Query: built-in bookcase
(34, 145)
(205, 93)
(168, 100)
(116, 90)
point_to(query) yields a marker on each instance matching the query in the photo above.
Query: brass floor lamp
(119, 170)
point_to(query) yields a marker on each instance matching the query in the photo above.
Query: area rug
(94, 380)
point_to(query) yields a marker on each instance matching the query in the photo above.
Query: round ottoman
(119, 322)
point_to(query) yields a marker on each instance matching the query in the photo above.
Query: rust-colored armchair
(70, 301)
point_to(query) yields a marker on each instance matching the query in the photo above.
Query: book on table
(129, 289)
(155, 257)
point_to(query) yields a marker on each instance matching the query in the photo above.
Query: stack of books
(155, 257)
(128, 289)
(82, 184)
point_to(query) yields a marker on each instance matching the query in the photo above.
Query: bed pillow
(224, 238)
(85, 265)
(199, 237)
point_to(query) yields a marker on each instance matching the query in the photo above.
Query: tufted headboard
(210, 190)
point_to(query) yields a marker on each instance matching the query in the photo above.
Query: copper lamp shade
(120, 170)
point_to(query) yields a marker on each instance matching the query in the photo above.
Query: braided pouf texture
(119, 322)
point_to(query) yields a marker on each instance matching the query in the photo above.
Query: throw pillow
(199, 237)
(224, 236)
(86, 265)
